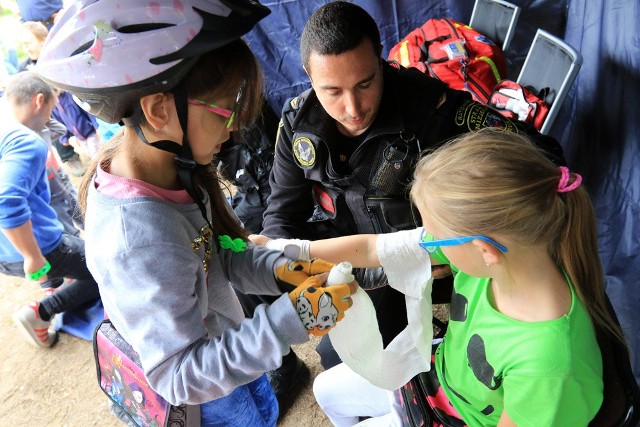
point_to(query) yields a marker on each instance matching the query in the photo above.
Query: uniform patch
(304, 151)
(324, 199)
(477, 116)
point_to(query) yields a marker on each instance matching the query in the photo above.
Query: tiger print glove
(319, 307)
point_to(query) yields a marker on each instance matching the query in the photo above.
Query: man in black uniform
(347, 147)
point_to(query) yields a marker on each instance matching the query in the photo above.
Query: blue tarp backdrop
(599, 125)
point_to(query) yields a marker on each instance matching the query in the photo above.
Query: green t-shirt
(543, 373)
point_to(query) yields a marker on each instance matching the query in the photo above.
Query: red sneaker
(33, 327)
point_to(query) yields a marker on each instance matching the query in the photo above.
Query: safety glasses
(432, 245)
(224, 112)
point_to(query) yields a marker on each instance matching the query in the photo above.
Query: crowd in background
(30, 22)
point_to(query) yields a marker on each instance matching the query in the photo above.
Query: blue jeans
(67, 260)
(252, 404)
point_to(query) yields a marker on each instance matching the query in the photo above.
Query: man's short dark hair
(22, 87)
(337, 27)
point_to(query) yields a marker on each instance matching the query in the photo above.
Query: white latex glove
(295, 249)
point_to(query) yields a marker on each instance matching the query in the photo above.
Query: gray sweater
(186, 324)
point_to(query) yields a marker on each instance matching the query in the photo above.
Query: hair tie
(565, 175)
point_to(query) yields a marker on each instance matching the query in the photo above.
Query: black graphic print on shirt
(458, 308)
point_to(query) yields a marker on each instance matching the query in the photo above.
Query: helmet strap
(186, 166)
(134, 121)
(164, 145)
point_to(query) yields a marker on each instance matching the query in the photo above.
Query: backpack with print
(131, 398)
(518, 102)
(455, 54)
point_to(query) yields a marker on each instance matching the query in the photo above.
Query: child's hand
(258, 239)
(319, 307)
(293, 273)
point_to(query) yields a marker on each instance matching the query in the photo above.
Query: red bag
(454, 53)
(517, 102)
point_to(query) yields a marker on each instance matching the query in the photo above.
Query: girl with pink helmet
(162, 241)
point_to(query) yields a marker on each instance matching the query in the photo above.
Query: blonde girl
(528, 300)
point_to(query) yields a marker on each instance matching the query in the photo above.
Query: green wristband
(38, 274)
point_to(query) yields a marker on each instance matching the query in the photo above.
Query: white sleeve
(295, 249)
(357, 339)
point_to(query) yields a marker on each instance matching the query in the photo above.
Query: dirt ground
(57, 387)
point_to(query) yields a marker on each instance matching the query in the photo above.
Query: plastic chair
(495, 19)
(552, 64)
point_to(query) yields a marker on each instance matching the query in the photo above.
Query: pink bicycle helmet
(110, 53)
